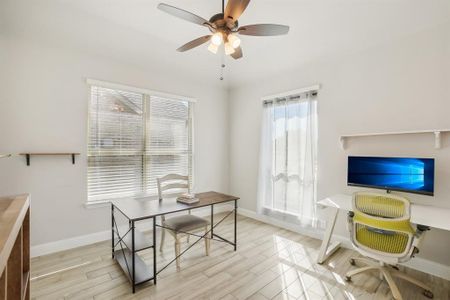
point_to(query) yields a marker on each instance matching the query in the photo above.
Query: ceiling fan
(224, 27)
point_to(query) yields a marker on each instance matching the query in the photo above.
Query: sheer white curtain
(288, 158)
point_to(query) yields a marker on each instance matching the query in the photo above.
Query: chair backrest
(172, 182)
(381, 223)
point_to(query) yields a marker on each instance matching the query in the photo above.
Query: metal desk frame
(130, 266)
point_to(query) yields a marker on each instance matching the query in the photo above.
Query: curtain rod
(291, 98)
(311, 88)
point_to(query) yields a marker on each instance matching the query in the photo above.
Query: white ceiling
(136, 32)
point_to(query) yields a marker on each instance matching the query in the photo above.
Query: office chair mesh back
(382, 223)
(381, 206)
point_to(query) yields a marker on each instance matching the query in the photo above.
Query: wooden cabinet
(15, 247)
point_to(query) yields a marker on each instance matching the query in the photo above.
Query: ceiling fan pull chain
(222, 67)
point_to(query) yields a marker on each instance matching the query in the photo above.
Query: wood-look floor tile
(271, 263)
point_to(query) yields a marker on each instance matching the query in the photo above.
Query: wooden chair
(179, 224)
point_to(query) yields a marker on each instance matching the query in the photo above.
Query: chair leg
(404, 276)
(365, 261)
(177, 249)
(207, 245)
(360, 270)
(392, 285)
(163, 237)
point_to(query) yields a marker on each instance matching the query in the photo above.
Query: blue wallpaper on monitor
(409, 174)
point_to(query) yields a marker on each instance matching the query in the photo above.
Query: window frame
(147, 94)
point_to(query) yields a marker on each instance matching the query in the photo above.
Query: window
(133, 139)
(288, 158)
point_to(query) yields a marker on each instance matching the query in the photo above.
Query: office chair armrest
(350, 216)
(422, 228)
(418, 237)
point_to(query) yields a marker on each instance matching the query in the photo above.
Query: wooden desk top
(12, 212)
(142, 208)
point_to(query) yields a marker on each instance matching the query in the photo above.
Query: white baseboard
(429, 266)
(317, 234)
(417, 263)
(83, 240)
(70, 243)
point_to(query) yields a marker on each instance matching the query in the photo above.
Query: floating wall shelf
(5, 155)
(28, 155)
(437, 135)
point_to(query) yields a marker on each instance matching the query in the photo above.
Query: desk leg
(325, 250)
(235, 225)
(112, 230)
(212, 220)
(133, 263)
(154, 249)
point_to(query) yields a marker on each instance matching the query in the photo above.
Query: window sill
(107, 202)
(98, 204)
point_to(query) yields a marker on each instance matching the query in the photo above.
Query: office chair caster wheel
(428, 294)
(348, 278)
(352, 261)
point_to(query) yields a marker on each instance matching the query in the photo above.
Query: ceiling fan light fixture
(213, 48)
(217, 38)
(224, 27)
(229, 48)
(234, 40)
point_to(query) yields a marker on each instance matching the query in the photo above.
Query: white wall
(43, 108)
(403, 85)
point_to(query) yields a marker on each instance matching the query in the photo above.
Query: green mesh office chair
(380, 229)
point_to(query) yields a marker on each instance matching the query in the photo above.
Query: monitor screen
(414, 175)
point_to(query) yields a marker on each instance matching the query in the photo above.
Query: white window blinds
(168, 146)
(133, 139)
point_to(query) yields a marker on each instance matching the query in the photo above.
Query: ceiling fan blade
(263, 29)
(237, 53)
(182, 14)
(235, 8)
(194, 43)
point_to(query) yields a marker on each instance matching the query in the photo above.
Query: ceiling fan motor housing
(222, 24)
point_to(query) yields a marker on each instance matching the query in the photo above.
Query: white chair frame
(176, 182)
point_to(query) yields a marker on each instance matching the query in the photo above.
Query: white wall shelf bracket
(343, 141)
(437, 139)
(437, 136)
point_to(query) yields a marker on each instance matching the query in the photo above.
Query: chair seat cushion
(185, 223)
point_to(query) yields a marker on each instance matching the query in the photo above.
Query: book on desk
(188, 199)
